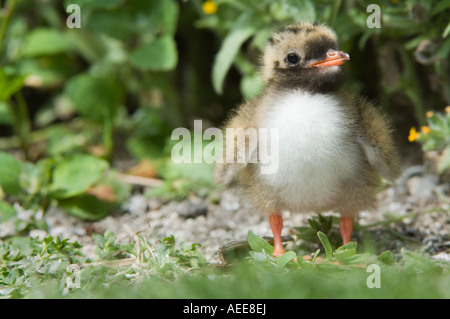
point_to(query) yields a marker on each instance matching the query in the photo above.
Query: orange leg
(346, 228)
(276, 224)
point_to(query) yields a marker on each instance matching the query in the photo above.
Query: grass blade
(326, 244)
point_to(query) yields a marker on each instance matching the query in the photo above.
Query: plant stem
(108, 136)
(440, 68)
(9, 8)
(22, 124)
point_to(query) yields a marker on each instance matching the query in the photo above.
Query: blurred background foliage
(78, 102)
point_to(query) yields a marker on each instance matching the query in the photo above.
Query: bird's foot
(276, 224)
(346, 228)
(278, 251)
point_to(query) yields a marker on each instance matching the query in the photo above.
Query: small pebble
(191, 209)
(229, 201)
(422, 187)
(137, 205)
(442, 256)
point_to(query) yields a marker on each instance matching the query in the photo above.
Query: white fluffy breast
(317, 151)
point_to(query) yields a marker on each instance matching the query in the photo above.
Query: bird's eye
(292, 59)
(332, 53)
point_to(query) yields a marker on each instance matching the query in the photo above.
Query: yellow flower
(413, 134)
(209, 7)
(429, 114)
(447, 109)
(425, 129)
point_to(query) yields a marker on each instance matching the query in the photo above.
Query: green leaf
(116, 24)
(163, 14)
(261, 36)
(446, 31)
(46, 41)
(306, 10)
(326, 222)
(305, 233)
(326, 244)
(22, 244)
(10, 169)
(74, 175)
(344, 252)
(440, 6)
(444, 161)
(251, 86)
(201, 172)
(85, 206)
(5, 114)
(314, 224)
(62, 141)
(95, 98)
(160, 55)
(279, 10)
(144, 147)
(97, 4)
(355, 259)
(258, 244)
(386, 257)
(229, 49)
(47, 71)
(444, 50)
(297, 10)
(6, 211)
(106, 244)
(259, 256)
(9, 84)
(155, 17)
(35, 177)
(285, 258)
(418, 261)
(315, 256)
(93, 47)
(350, 245)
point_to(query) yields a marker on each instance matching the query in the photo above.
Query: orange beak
(333, 58)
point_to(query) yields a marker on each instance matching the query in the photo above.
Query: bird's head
(304, 56)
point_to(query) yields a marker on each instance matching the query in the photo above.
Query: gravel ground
(213, 225)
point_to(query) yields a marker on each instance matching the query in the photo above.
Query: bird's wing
(240, 144)
(376, 140)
